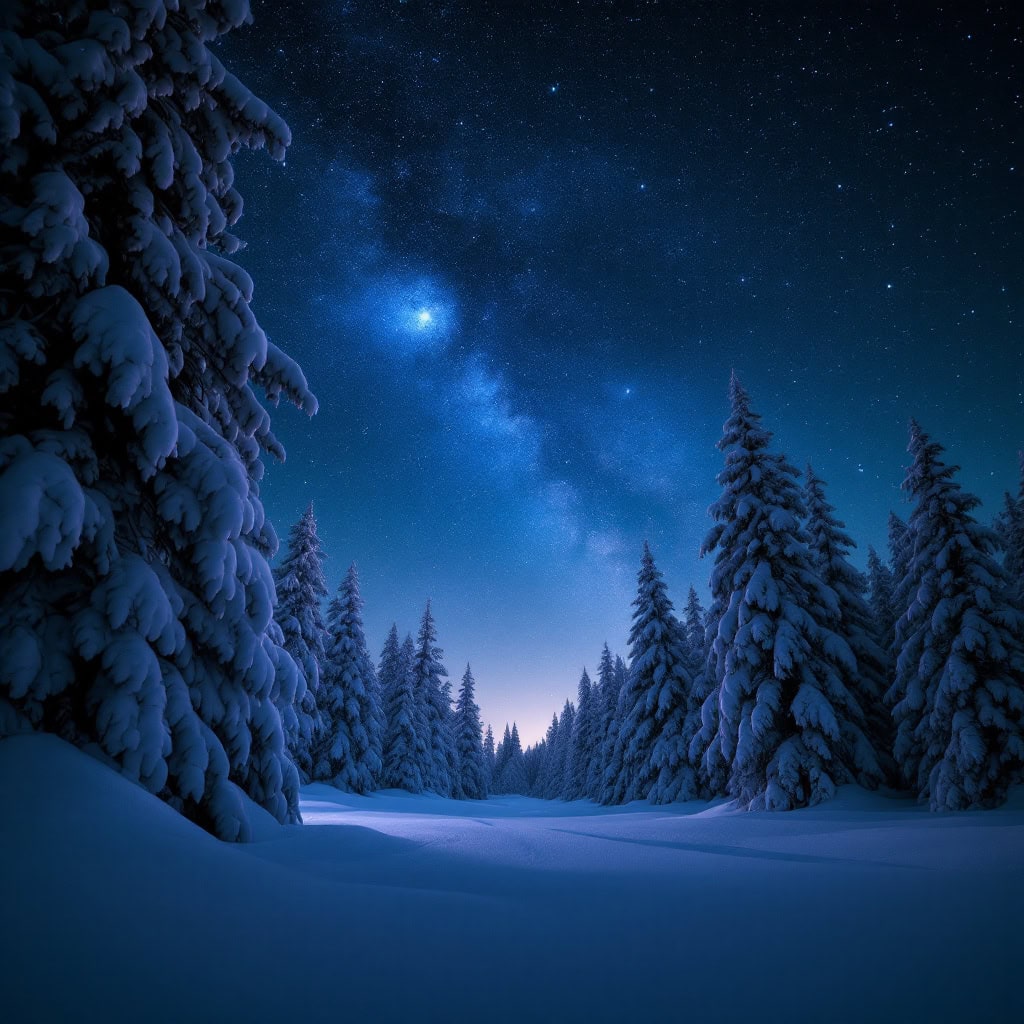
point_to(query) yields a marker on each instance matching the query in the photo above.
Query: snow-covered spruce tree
(542, 784)
(583, 738)
(513, 772)
(533, 760)
(468, 741)
(558, 756)
(404, 749)
(958, 697)
(899, 554)
(389, 668)
(605, 699)
(868, 680)
(300, 591)
(489, 757)
(655, 760)
(785, 726)
(881, 601)
(135, 595)
(348, 748)
(694, 618)
(434, 693)
(611, 758)
(501, 756)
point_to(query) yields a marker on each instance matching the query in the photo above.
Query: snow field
(392, 907)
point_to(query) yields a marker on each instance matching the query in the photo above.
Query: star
(423, 317)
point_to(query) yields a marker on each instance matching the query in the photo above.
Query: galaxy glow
(517, 250)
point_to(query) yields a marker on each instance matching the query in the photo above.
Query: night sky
(517, 249)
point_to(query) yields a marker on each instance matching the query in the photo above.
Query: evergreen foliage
(469, 743)
(434, 696)
(583, 739)
(348, 749)
(301, 589)
(868, 678)
(882, 602)
(606, 698)
(958, 696)
(137, 600)
(489, 756)
(778, 721)
(405, 752)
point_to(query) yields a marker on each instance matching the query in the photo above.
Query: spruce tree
(605, 699)
(559, 742)
(389, 668)
(958, 697)
(585, 728)
(434, 693)
(405, 753)
(881, 601)
(868, 679)
(693, 632)
(137, 601)
(654, 756)
(469, 744)
(540, 787)
(300, 590)
(348, 749)
(514, 771)
(489, 756)
(778, 719)
(613, 750)
(501, 757)
(898, 549)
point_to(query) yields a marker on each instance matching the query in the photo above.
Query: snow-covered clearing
(402, 908)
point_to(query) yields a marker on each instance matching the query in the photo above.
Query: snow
(395, 907)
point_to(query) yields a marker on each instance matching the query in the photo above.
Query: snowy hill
(399, 908)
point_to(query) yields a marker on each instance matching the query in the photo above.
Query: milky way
(517, 251)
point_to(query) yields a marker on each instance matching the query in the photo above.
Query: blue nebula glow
(403, 315)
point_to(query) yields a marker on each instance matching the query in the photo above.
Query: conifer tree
(867, 679)
(137, 601)
(489, 757)
(585, 728)
(541, 785)
(778, 719)
(882, 601)
(693, 632)
(513, 773)
(958, 697)
(389, 668)
(605, 699)
(654, 758)
(434, 692)
(613, 751)
(501, 756)
(301, 589)
(562, 769)
(348, 751)
(898, 549)
(404, 753)
(469, 745)
(533, 761)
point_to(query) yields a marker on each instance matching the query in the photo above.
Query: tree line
(806, 674)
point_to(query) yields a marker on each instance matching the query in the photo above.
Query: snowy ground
(400, 908)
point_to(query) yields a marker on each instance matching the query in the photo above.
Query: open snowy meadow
(395, 907)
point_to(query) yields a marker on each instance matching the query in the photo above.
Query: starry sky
(518, 247)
